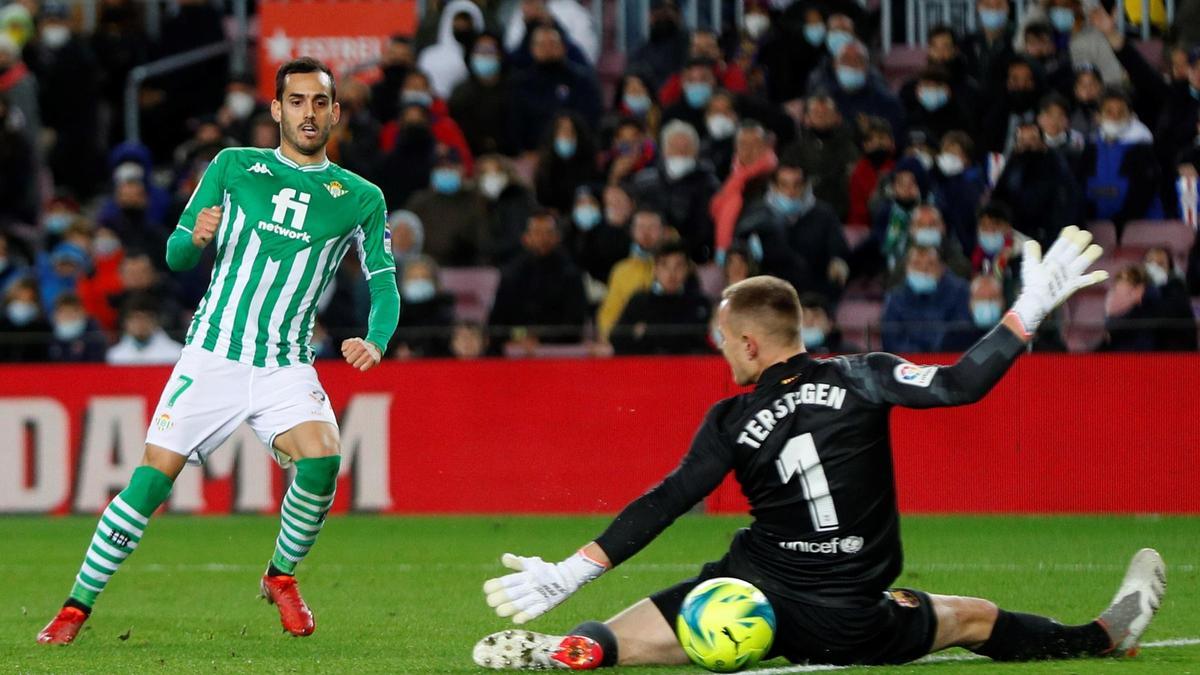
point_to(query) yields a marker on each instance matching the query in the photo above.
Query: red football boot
(281, 591)
(63, 628)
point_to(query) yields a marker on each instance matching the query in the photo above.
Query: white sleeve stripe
(185, 229)
(386, 269)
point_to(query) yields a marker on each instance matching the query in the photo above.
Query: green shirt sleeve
(182, 254)
(375, 252)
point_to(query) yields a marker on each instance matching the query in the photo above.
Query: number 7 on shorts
(186, 382)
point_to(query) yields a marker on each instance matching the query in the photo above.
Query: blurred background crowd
(555, 192)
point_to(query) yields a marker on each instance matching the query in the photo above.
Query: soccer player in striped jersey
(281, 220)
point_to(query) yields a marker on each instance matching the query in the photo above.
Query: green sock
(303, 511)
(120, 529)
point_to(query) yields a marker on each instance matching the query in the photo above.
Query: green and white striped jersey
(283, 233)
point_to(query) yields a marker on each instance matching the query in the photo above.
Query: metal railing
(138, 76)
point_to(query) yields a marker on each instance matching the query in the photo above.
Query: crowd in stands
(612, 207)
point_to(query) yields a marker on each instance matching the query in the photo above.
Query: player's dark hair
(770, 302)
(304, 64)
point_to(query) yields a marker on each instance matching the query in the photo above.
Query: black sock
(72, 602)
(603, 636)
(1027, 637)
(273, 571)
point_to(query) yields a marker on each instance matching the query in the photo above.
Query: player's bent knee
(168, 462)
(963, 622)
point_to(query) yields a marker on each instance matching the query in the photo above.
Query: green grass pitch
(403, 595)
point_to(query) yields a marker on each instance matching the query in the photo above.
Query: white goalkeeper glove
(537, 586)
(1047, 282)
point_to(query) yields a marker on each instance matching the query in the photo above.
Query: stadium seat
(859, 321)
(712, 280)
(1175, 235)
(856, 234)
(1104, 233)
(568, 351)
(902, 63)
(1085, 320)
(473, 289)
(1152, 51)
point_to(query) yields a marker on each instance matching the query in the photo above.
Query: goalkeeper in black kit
(810, 447)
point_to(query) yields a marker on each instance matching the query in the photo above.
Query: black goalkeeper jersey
(810, 447)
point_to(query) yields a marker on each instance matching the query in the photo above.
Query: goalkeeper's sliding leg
(642, 635)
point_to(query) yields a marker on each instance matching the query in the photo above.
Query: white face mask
(1157, 273)
(240, 104)
(1110, 129)
(949, 164)
(55, 36)
(757, 24)
(492, 184)
(721, 127)
(678, 167)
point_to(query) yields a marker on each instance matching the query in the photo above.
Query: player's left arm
(536, 586)
(888, 379)
(375, 254)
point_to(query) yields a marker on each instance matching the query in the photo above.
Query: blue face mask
(933, 99)
(697, 94)
(991, 242)
(851, 79)
(636, 251)
(926, 236)
(586, 216)
(813, 337)
(446, 181)
(57, 223)
(986, 313)
(420, 98)
(782, 204)
(836, 40)
(754, 247)
(993, 19)
(419, 290)
(1063, 19)
(921, 283)
(21, 313)
(564, 147)
(65, 331)
(485, 65)
(1194, 92)
(814, 33)
(638, 104)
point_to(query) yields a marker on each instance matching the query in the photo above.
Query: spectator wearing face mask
(408, 237)
(446, 62)
(59, 271)
(17, 182)
(407, 165)
(445, 131)
(1016, 103)
(680, 188)
(819, 331)
(1055, 122)
(987, 304)
(859, 90)
(998, 247)
(395, 64)
(670, 318)
(143, 341)
(508, 203)
(698, 84)
(597, 242)
(721, 123)
(827, 147)
(635, 273)
(631, 151)
(632, 99)
(958, 186)
(76, 337)
(666, 48)
(424, 327)
(988, 50)
(479, 104)
(931, 311)
(1118, 168)
(240, 107)
(1037, 184)
(551, 85)
(791, 51)
(905, 189)
(927, 228)
(1071, 24)
(12, 265)
(753, 167)
(541, 295)
(1086, 99)
(1178, 330)
(704, 46)
(877, 160)
(569, 16)
(795, 237)
(1055, 64)
(566, 160)
(23, 328)
(934, 104)
(454, 217)
(945, 55)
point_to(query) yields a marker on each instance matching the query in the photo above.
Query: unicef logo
(851, 544)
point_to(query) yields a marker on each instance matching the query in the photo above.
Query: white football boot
(1136, 602)
(527, 650)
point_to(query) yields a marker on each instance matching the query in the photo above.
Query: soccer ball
(725, 624)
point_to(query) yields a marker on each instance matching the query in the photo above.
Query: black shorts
(899, 628)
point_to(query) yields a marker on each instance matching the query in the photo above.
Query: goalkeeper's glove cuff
(582, 568)
(1029, 313)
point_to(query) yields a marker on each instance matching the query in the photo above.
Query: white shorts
(208, 396)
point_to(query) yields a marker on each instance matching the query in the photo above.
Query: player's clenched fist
(207, 222)
(361, 354)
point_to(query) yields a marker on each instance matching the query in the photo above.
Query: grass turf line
(403, 595)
